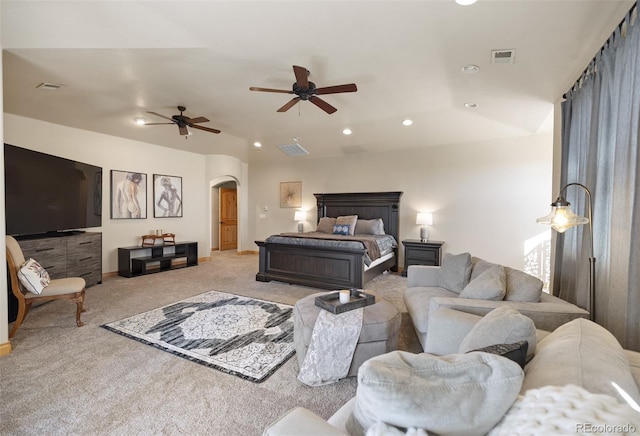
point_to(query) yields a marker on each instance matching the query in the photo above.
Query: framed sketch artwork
(128, 195)
(290, 194)
(167, 196)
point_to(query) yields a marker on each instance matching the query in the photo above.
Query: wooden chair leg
(22, 313)
(79, 310)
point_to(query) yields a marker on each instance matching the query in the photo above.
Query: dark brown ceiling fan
(183, 122)
(306, 90)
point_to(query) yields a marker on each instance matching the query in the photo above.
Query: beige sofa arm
(550, 313)
(423, 275)
(300, 421)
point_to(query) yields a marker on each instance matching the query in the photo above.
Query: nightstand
(417, 252)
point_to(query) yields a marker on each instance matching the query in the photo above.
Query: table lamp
(300, 216)
(424, 220)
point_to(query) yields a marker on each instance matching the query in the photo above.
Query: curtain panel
(600, 127)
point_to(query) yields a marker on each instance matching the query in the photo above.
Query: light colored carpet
(61, 379)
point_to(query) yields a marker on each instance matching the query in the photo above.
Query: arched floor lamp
(561, 218)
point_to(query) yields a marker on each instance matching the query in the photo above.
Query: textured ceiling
(119, 59)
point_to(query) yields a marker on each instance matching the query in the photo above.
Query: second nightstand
(417, 252)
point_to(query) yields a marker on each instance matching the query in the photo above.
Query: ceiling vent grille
(293, 149)
(503, 56)
(49, 86)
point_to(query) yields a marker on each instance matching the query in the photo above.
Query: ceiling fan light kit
(306, 90)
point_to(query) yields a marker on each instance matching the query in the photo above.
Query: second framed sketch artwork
(167, 196)
(128, 195)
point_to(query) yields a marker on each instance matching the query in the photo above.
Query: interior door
(228, 219)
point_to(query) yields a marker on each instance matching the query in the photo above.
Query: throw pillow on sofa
(455, 271)
(458, 394)
(503, 325)
(522, 286)
(490, 285)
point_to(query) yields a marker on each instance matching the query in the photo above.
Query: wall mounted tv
(45, 193)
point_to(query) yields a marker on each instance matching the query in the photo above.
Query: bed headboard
(367, 205)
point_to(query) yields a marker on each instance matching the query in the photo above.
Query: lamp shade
(424, 219)
(561, 218)
(300, 215)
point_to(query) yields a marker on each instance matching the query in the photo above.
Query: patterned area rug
(238, 335)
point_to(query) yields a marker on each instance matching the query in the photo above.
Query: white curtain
(601, 124)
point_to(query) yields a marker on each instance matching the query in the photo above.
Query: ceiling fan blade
(289, 104)
(302, 76)
(322, 104)
(155, 124)
(197, 120)
(283, 91)
(160, 115)
(206, 129)
(183, 130)
(351, 87)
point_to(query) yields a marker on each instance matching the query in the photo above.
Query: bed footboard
(325, 268)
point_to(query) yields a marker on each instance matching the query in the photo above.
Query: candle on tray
(345, 296)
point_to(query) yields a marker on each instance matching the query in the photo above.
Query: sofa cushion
(33, 276)
(478, 266)
(455, 271)
(503, 325)
(585, 354)
(522, 286)
(418, 300)
(458, 394)
(447, 328)
(490, 285)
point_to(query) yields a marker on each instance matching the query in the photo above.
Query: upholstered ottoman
(379, 334)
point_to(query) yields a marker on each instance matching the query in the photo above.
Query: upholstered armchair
(71, 288)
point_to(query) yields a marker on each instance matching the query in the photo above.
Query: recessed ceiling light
(471, 105)
(347, 131)
(140, 120)
(296, 139)
(465, 2)
(470, 68)
(257, 145)
(407, 122)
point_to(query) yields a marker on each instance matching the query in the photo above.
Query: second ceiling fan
(306, 90)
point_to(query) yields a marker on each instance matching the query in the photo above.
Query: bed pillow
(33, 276)
(349, 220)
(457, 394)
(370, 227)
(326, 225)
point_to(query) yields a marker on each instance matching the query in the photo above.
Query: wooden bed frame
(333, 268)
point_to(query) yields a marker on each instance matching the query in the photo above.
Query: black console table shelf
(139, 260)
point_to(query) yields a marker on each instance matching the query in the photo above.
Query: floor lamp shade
(424, 219)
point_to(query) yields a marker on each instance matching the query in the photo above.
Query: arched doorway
(224, 216)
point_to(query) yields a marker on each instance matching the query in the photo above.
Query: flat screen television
(49, 194)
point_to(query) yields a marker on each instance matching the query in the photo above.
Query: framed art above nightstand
(417, 252)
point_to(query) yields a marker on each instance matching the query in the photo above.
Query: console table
(139, 260)
(417, 252)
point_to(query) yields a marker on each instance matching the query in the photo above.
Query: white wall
(4, 308)
(111, 152)
(485, 196)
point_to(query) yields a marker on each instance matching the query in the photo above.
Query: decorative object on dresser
(424, 220)
(418, 252)
(128, 195)
(145, 259)
(70, 288)
(242, 336)
(335, 264)
(167, 196)
(164, 238)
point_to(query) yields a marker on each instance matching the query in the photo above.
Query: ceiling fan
(306, 90)
(183, 122)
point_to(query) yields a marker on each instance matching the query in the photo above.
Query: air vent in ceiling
(293, 149)
(49, 86)
(503, 56)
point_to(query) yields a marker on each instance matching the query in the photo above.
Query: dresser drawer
(49, 253)
(424, 255)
